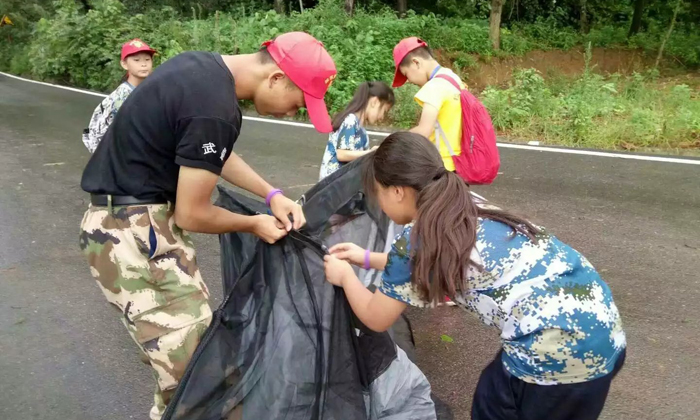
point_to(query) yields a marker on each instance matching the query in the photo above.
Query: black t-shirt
(184, 114)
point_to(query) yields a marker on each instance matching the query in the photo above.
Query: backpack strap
(440, 134)
(450, 79)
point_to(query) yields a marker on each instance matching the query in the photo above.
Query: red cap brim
(318, 113)
(399, 78)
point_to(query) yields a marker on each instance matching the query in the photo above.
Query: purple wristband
(272, 194)
(367, 266)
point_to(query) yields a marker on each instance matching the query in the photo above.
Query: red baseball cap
(401, 50)
(135, 46)
(307, 63)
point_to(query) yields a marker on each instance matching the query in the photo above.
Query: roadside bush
(77, 48)
(593, 111)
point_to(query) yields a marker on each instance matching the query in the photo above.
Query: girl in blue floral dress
(561, 333)
(349, 139)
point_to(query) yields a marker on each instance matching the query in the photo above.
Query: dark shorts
(501, 396)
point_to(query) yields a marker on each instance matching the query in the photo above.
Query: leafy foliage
(64, 42)
(597, 112)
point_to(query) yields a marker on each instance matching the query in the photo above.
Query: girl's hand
(349, 252)
(337, 271)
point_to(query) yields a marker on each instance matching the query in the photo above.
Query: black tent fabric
(284, 344)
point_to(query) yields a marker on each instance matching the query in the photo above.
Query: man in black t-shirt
(153, 175)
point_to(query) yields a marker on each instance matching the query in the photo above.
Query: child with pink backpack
(452, 118)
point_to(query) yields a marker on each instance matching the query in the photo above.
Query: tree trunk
(350, 7)
(585, 28)
(668, 34)
(639, 6)
(402, 7)
(495, 23)
(279, 6)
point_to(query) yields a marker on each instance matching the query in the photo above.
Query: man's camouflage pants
(146, 266)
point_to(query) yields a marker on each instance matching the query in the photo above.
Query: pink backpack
(479, 161)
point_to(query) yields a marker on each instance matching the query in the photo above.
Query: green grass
(636, 112)
(79, 49)
(592, 111)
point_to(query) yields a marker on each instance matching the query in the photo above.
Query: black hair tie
(440, 174)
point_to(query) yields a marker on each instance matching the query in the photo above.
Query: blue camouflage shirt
(557, 318)
(349, 136)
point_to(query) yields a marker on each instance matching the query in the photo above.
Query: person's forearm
(238, 173)
(350, 155)
(213, 219)
(377, 260)
(359, 298)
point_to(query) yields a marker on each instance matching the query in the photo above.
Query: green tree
(350, 7)
(639, 6)
(679, 3)
(495, 23)
(15, 38)
(402, 7)
(584, 25)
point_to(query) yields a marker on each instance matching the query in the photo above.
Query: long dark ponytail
(363, 94)
(444, 233)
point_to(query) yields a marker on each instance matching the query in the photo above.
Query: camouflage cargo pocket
(146, 266)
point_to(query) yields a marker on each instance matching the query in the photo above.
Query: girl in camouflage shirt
(137, 60)
(561, 333)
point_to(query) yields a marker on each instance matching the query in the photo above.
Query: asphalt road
(64, 353)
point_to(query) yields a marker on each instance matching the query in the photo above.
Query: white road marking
(628, 156)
